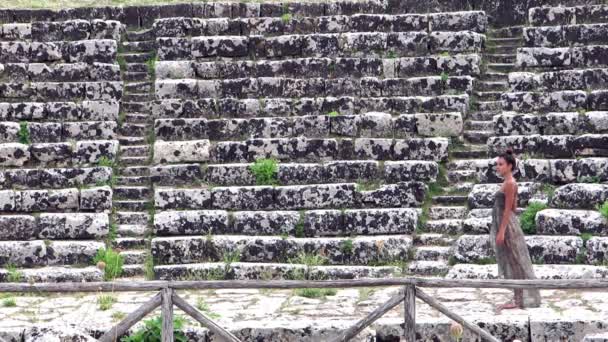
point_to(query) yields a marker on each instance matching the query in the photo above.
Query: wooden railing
(411, 289)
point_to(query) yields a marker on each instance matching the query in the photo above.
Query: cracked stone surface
(244, 308)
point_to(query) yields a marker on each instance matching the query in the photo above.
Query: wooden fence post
(409, 304)
(123, 326)
(167, 315)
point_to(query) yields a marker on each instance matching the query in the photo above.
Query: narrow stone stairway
(133, 191)
(448, 211)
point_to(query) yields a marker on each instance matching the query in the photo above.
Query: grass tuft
(265, 171)
(24, 133)
(105, 302)
(112, 263)
(527, 218)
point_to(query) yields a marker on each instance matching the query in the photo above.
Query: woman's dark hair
(509, 158)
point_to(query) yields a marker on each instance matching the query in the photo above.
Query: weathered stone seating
(588, 14)
(470, 271)
(270, 26)
(543, 249)
(60, 88)
(363, 44)
(554, 171)
(69, 30)
(432, 65)
(338, 171)
(278, 106)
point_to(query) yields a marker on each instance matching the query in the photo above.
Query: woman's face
(502, 167)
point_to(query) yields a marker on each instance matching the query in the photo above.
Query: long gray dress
(513, 257)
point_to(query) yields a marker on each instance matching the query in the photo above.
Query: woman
(507, 238)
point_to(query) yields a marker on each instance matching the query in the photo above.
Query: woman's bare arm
(510, 193)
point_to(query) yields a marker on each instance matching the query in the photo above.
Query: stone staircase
(448, 212)
(133, 191)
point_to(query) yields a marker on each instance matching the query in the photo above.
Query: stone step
(125, 243)
(269, 271)
(138, 97)
(503, 49)
(428, 267)
(138, 118)
(499, 58)
(432, 253)
(506, 41)
(33, 253)
(135, 171)
(132, 129)
(128, 140)
(141, 35)
(134, 76)
(132, 218)
(459, 176)
(140, 57)
(507, 32)
(467, 164)
(447, 212)
(501, 67)
(134, 150)
(493, 76)
(133, 257)
(471, 152)
(131, 192)
(56, 274)
(132, 205)
(477, 137)
(488, 95)
(488, 105)
(133, 230)
(546, 271)
(135, 180)
(433, 239)
(310, 223)
(138, 46)
(465, 186)
(483, 115)
(139, 87)
(135, 161)
(130, 271)
(478, 125)
(445, 226)
(358, 250)
(137, 67)
(137, 107)
(492, 86)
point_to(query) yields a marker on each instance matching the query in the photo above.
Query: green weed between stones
(113, 263)
(14, 275)
(105, 302)
(151, 331)
(603, 209)
(527, 218)
(24, 133)
(9, 302)
(485, 261)
(204, 307)
(265, 171)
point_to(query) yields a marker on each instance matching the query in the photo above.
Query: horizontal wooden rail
(294, 284)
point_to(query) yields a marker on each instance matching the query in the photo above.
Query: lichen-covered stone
(482, 195)
(580, 195)
(177, 198)
(365, 249)
(73, 226)
(570, 222)
(190, 222)
(181, 151)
